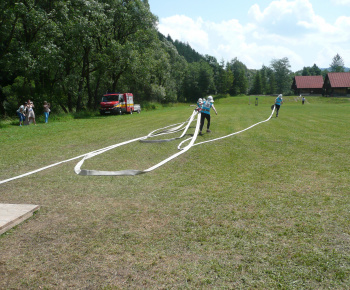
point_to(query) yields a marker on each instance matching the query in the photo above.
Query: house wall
(309, 91)
(334, 92)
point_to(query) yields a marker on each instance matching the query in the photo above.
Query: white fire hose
(162, 131)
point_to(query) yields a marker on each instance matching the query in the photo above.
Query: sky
(256, 32)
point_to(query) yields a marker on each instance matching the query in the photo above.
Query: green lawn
(267, 208)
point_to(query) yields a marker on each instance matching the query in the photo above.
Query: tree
(240, 82)
(263, 73)
(188, 52)
(316, 70)
(198, 81)
(257, 85)
(271, 82)
(311, 71)
(156, 73)
(71, 51)
(190, 88)
(26, 53)
(282, 74)
(212, 61)
(305, 72)
(225, 78)
(206, 79)
(337, 64)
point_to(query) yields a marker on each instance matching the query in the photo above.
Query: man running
(278, 103)
(207, 105)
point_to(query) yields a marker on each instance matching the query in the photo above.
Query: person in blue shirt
(205, 113)
(278, 103)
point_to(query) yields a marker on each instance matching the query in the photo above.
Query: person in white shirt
(30, 110)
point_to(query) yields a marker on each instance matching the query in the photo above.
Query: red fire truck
(117, 103)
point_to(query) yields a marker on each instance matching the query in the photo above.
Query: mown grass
(268, 208)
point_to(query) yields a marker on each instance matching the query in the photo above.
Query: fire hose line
(162, 131)
(152, 134)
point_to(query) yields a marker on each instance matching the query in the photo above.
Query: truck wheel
(120, 111)
(102, 113)
(138, 111)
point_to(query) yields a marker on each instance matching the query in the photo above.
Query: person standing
(46, 111)
(30, 110)
(278, 103)
(199, 104)
(303, 100)
(26, 121)
(21, 114)
(205, 113)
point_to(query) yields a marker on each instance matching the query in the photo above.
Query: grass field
(267, 208)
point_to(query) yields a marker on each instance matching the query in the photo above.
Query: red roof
(309, 82)
(339, 79)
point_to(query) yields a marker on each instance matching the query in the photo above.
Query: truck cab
(117, 103)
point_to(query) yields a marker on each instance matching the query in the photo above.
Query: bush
(148, 106)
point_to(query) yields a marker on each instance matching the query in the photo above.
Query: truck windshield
(110, 98)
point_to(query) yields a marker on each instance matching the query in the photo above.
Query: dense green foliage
(70, 52)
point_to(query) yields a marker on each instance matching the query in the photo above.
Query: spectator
(30, 112)
(46, 111)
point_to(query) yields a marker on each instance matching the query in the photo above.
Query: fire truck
(117, 103)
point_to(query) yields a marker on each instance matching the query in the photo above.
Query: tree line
(71, 52)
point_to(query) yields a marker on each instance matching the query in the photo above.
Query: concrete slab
(13, 214)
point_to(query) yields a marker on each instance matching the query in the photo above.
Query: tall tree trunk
(70, 102)
(90, 97)
(97, 97)
(80, 94)
(84, 74)
(61, 105)
(115, 80)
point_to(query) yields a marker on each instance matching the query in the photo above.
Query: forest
(71, 52)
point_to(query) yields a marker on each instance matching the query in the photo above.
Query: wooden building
(337, 84)
(308, 85)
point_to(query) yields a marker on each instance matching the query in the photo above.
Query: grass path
(268, 208)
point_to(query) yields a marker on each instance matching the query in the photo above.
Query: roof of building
(339, 79)
(308, 82)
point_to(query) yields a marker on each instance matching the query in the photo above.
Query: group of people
(26, 113)
(204, 107)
